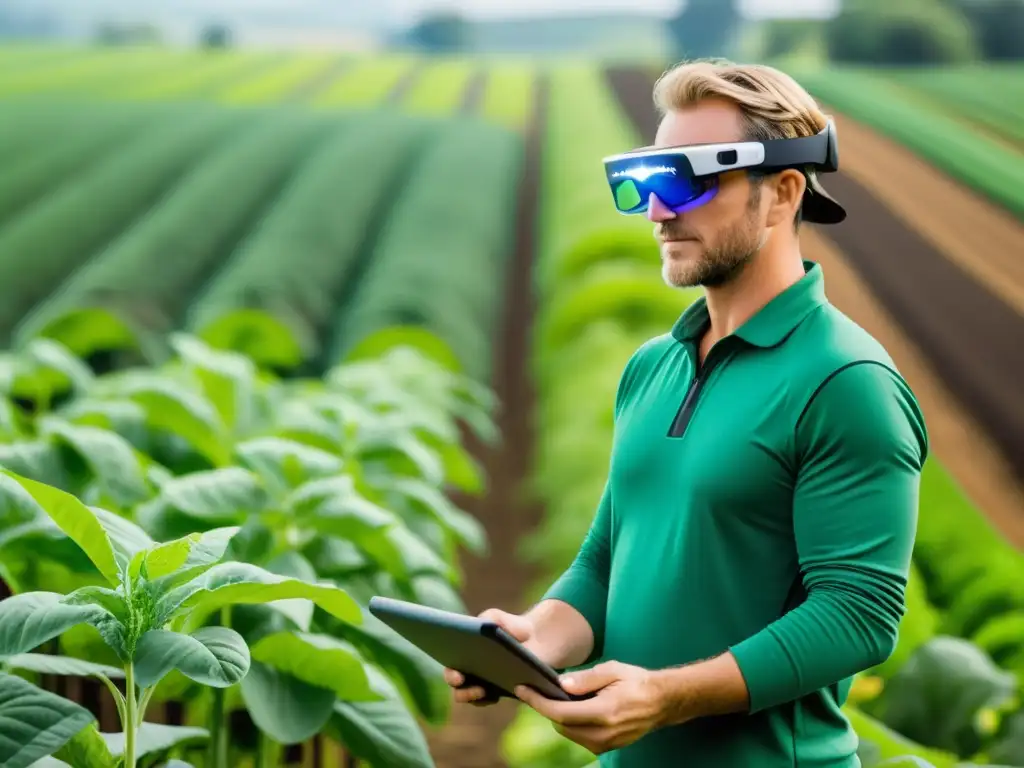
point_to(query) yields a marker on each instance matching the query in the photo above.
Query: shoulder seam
(832, 375)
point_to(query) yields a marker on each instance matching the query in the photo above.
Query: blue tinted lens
(633, 180)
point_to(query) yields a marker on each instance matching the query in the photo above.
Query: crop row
(601, 297)
(255, 227)
(998, 107)
(985, 164)
(207, 534)
(437, 86)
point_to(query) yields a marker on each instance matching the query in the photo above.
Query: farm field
(232, 225)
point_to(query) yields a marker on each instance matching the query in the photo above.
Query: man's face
(710, 244)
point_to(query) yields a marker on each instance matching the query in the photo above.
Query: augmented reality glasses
(686, 177)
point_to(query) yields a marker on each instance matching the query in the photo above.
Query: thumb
(590, 680)
(518, 626)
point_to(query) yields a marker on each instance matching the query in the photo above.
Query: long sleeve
(584, 584)
(860, 446)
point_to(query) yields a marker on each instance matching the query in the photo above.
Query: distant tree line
(926, 31)
(885, 32)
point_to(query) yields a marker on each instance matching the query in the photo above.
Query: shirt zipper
(685, 412)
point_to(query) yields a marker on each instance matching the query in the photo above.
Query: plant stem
(130, 716)
(217, 752)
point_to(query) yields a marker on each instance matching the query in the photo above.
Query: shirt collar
(771, 324)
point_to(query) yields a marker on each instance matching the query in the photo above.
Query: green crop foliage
(204, 532)
(86, 211)
(64, 73)
(368, 82)
(279, 82)
(284, 281)
(984, 164)
(439, 87)
(207, 74)
(439, 261)
(579, 225)
(37, 165)
(147, 275)
(998, 107)
(508, 95)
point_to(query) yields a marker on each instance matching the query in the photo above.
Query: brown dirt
(956, 439)
(971, 340)
(978, 236)
(501, 579)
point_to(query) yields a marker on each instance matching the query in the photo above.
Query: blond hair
(773, 104)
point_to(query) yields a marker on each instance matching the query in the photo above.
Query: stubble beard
(724, 261)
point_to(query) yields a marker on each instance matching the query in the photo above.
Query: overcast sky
(506, 8)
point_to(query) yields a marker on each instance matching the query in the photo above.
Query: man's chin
(675, 277)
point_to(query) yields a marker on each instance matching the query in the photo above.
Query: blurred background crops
(313, 183)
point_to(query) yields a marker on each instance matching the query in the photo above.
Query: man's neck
(764, 278)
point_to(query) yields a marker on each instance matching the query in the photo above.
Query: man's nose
(657, 210)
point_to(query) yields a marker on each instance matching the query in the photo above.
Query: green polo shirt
(763, 503)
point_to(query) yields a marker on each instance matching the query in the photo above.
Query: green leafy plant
(338, 481)
(155, 595)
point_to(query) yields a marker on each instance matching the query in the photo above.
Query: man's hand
(520, 627)
(629, 704)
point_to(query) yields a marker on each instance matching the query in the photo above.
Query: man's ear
(787, 189)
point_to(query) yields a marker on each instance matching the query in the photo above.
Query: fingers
(518, 626)
(592, 713)
(473, 694)
(590, 680)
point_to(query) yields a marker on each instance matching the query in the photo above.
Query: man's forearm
(712, 687)
(563, 637)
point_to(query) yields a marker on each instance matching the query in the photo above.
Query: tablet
(481, 650)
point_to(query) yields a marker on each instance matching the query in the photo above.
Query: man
(750, 551)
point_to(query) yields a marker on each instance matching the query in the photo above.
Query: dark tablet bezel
(403, 617)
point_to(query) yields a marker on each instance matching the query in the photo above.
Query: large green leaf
(214, 656)
(46, 664)
(173, 408)
(287, 709)
(73, 517)
(297, 610)
(287, 463)
(402, 453)
(156, 738)
(935, 697)
(111, 459)
(228, 379)
(127, 538)
(332, 506)
(41, 370)
(428, 500)
(318, 660)
(31, 618)
(87, 749)
(34, 723)
(231, 583)
(225, 494)
(36, 459)
(42, 539)
(384, 733)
